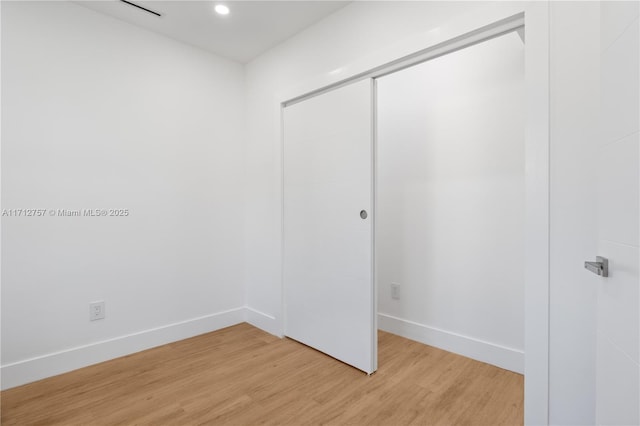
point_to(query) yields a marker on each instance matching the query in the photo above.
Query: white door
(617, 171)
(328, 224)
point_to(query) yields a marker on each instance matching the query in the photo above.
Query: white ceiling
(250, 29)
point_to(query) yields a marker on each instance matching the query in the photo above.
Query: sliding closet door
(328, 224)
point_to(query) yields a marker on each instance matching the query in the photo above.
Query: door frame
(463, 32)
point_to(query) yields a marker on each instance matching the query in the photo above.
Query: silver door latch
(599, 267)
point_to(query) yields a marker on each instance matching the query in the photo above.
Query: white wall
(450, 201)
(100, 114)
(617, 354)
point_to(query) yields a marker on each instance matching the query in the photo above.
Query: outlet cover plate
(96, 311)
(395, 291)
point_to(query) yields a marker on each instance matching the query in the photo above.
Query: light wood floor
(243, 376)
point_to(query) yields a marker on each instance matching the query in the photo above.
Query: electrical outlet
(395, 291)
(96, 311)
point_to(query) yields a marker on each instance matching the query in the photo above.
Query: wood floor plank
(243, 376)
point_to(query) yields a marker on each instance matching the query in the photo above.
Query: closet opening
(450, 201)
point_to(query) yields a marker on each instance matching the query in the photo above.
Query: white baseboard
(263, 321)
(30, 370)
(500, 356)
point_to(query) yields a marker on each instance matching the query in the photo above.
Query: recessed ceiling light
(221, 9)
